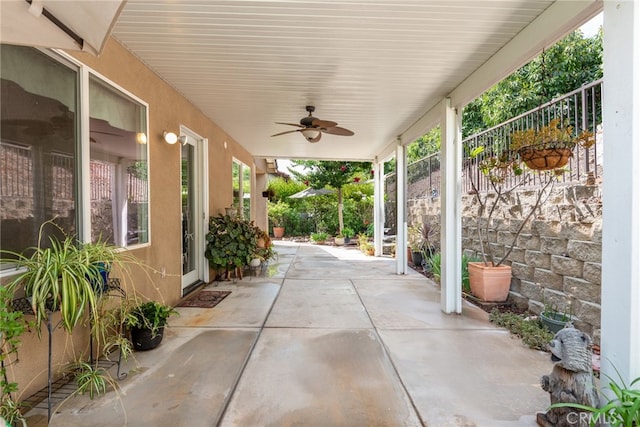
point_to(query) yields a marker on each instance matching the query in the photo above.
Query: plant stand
(113, 286)
(23, 305)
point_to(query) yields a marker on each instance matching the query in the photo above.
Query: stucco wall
(557, 257)
(168, 110)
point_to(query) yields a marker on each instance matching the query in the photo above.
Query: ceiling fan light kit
(312, 128)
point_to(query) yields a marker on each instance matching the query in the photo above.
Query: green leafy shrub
(531, 331)
(231, 242)
(12, 325)
(151, 315)
(319, 237)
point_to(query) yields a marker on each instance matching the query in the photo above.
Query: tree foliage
(320, 174)
(572, 62)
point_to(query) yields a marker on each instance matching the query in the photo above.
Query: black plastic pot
(416, 258)
(143, 339)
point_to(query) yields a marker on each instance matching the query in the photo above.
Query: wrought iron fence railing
(582, 109)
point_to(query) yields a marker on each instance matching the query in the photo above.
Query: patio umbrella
(311, 192)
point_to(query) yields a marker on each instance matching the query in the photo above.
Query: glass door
(192, 214)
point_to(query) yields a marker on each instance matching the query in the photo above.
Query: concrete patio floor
(326, 337)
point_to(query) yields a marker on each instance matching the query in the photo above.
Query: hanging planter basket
(545, 158)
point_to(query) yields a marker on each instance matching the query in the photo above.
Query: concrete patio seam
(388, 355)
(245, 362)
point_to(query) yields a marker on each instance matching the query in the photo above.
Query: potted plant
(277, 213)
(490, 279)
(550, 146)
(422, 242)
(320, 237)
(339, 239)
(264, 249)
(146, 322)
(348, 234)
(230, 244)
(555, 315)
(64, 275)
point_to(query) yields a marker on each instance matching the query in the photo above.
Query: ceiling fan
(312, 128)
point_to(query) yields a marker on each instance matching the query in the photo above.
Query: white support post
(401, 208)
(450, 216)
(378, 205)
(620, 334)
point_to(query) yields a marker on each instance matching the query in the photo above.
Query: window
(118, 167)
(241, 183)
(40, 145)
(38, 134)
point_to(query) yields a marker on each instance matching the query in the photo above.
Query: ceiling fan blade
(317, 123)
(285, 132)
(337, 130)
(290, 124)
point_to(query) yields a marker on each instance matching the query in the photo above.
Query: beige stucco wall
(168, 109)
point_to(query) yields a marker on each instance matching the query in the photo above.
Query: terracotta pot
(489, 283)
(278, 232)
(545, 159)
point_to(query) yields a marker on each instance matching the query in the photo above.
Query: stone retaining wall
(557, 257)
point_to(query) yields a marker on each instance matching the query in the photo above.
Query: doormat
(205, 299)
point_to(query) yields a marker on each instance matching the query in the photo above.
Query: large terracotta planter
(278, 232)
(488, 283)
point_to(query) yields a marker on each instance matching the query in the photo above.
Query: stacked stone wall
(556, 259)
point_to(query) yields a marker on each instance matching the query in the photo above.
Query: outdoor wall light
(141, 138)
(170, 137)
(311, 135)
(183, 139)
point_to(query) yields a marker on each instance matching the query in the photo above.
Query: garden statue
(571, 380)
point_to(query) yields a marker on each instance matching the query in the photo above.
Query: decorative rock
(582, 290)
(530, 290)
(553, 245)
(537, 259)
(504, 238)
(516, 255)
(548, 279)
(566, 266)
(592, 272)
(584, 251)
(577, 231)
(522, 271)
(546, 228)
(571, 380)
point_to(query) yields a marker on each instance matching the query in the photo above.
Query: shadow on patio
(328, 337)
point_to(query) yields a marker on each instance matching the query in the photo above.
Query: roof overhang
(65, 24)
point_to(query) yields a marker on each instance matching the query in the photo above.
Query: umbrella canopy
(311, 192)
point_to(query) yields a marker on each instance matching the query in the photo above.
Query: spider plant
(62, 275)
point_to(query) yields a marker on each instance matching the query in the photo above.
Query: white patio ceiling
(375, 67)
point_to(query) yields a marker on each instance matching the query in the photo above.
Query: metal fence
(582, 109)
